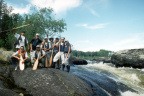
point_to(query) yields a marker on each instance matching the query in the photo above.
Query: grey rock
(129, 58)
(5, 56)
(48, 82)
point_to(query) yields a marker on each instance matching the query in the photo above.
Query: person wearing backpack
(16, 57)
(39, 54)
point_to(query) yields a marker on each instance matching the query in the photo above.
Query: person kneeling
(39, 54)
(16, 57)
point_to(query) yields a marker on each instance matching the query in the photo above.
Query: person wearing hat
(56, 49)
(67, 54)
(40, 54)
(34, 42)
(21, 40)
(51, 43)
(60, 53)
(45, 47)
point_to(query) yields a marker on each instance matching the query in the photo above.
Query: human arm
(44, 54)
(14, 55)
(31, 49)
(26, 57)
(68, 51)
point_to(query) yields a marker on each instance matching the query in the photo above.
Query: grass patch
(72, 92)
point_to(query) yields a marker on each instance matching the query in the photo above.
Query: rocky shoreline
(42, 82)
(102, 59)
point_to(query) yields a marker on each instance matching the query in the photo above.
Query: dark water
(106, 80)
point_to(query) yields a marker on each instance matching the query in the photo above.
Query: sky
(95, 24)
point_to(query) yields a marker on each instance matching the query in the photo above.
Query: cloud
(58, 5)
(21, 10)
(97, 26)
(94, 12)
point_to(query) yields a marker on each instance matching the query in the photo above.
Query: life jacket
(17, 42)
(56, 48)
(62, 47)
(37, 55)
(23, 54)
(44, 46)
(67, 48)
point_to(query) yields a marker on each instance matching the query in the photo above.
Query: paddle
(51, 59)
(21, 65)
(35, 64)
(15, 28)
(46, 61)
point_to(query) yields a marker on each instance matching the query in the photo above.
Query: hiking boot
(68, 68)
(16, 68)
(63, 66)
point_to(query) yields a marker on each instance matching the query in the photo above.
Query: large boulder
(77, 61)
(46, 82)
(129, 58)
(5, 56)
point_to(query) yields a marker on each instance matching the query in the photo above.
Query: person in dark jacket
(39, 54)
(60, 53)
(45, 47)
(67, 54)
(21, 40)
(34, 42)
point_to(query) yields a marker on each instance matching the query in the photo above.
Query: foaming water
(129, 93)
(133, 78)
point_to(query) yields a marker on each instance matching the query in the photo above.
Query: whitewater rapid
(122, 81)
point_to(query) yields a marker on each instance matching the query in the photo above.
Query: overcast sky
(95, 24)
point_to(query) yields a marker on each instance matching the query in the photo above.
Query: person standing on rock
(34, 42)
(51, 46)
(45, 47)
(40, 54)
(56, 49)
(21, 40)
(59, 54)
(16, 57)
(67, 54)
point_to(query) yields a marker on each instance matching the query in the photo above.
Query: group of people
(45, 50)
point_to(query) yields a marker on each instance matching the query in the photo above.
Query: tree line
(91, 55)
(41, 20)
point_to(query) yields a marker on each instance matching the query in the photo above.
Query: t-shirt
(38, 53)
(16, 54)
(38, 42)
(22, 42)
(51, 44)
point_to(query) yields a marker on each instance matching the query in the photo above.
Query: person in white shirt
(39, 54)
(21, 40)
(16, 57)
(60, 53)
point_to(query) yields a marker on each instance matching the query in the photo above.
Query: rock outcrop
(129, 58)
(5, 56)
(44, 82)
(76, 61)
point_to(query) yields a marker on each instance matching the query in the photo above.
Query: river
(107, 80)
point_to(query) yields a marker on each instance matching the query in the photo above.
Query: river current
(107, 80)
